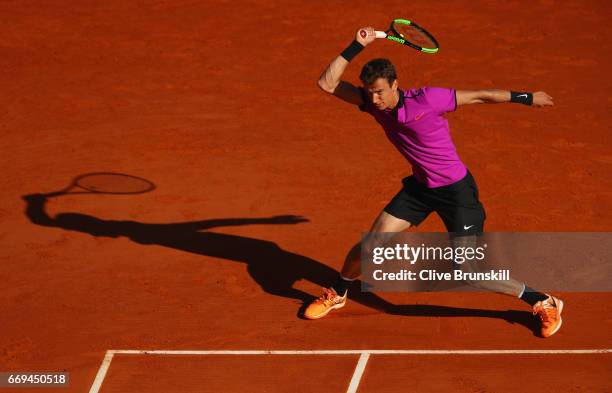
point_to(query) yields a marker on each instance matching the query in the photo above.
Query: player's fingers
(365, 35)
(366, 31)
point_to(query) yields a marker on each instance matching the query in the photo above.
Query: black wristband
(352, 50)
(521, 97)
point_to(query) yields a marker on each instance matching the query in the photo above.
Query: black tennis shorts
(457, 204)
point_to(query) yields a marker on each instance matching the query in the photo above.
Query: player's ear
(394, 85)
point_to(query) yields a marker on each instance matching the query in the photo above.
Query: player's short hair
(378, 68)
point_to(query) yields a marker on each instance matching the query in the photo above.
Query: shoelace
(328, 296)
(545, 311)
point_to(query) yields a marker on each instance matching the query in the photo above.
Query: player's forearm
(537, 99)
(330, 78)
(494, 96)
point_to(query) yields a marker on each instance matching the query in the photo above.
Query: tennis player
(413, 120)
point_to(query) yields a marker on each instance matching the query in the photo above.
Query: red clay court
(262, 184)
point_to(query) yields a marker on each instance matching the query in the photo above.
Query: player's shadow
(274, 269)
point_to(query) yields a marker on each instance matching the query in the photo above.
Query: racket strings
(413, 35)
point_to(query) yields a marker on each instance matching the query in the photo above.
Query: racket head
(409, 33)
(112, 183)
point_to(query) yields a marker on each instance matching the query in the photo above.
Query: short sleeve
(367, 105)
(441, 99)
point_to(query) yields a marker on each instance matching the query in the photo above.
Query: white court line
(369, 351)
(359, 369)
(108, 358)
(361, 364)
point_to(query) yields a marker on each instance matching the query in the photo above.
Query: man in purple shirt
(413, 121)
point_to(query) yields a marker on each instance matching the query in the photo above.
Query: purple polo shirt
(418, 129)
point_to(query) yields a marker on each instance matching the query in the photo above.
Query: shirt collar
(400, 103)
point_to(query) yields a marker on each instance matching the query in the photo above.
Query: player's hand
(365, 35)
(541, 99)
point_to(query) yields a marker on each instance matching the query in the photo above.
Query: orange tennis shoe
(549, 312)
(330, 300)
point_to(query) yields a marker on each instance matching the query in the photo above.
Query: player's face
(383, 94)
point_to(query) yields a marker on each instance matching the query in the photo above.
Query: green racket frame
(396, 37)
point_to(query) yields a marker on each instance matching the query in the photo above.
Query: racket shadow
(274, 269)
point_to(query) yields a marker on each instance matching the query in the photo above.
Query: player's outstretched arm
(330, 81)
(494, 96)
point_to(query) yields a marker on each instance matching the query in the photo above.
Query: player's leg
(378, 236)
(404, 210)
(464, 218)
(335, 297)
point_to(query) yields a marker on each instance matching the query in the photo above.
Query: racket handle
(380, 34)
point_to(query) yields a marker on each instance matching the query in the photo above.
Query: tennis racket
(408, 33)
(106, 183)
